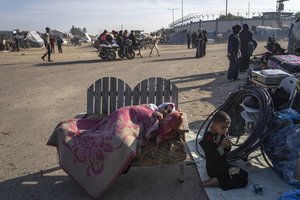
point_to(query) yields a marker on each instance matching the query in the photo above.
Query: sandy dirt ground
(36, 95)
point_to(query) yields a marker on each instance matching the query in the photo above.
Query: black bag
(280, 99)
(252, 46)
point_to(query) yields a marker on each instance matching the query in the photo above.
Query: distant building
(278, 15)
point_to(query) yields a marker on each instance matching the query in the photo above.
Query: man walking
(154, 44)
(47, 45)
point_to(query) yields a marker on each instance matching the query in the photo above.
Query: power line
(173, 9)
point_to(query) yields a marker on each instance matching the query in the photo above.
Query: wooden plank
(136, 94)
(90, 100)
(167, 91)
(159, 90)
(110, 93)
(105, 95)
(128, 96)
(98, 96)
(144, 92)
(121, 94)
(151, 93)
(113, 94)
(175, 95)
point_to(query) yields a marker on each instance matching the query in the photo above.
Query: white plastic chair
(289, 84)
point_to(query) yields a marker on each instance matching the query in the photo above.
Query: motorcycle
(107, 51)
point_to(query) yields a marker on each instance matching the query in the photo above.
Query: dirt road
(36, 95)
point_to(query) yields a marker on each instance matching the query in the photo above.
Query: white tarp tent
(294, 39)
(267, 31)
(34, 39)
(57, 33)
(89, 39)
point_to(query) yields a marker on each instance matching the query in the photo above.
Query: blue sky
(97, 15)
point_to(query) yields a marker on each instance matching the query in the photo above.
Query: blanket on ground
(95, 152)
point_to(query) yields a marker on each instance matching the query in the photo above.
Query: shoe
(50, 60)
(236, 79)
(229, 80)
(158, 55)
(43, 58)
(150, 56)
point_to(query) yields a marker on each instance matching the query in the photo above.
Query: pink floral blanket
(95, 152)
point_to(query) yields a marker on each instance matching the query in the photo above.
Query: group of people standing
(192, 38)
(59, 41)
(239, 50)
(197, 41)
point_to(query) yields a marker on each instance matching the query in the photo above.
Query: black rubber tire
(130, 55)
(111, 55)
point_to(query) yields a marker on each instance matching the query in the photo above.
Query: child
(216, 145)
(160, 112)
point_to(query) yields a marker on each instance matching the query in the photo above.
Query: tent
(267, 31)
(89, 39)
(34, 39)
(57, 33)
(294, 39)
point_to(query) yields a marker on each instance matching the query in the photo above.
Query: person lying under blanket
(94, 152)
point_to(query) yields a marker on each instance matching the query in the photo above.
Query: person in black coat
(189, 39)
(216, 145)
(199, 51)
(245, 37)
(233, 53)
(205, 38)
(194, 39)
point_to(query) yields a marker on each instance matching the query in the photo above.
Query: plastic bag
(290, 195)
(283, 147)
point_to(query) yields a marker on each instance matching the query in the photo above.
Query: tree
(77, 31)
(229, 16)
(84, 30)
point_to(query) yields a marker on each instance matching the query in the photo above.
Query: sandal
(212, 182)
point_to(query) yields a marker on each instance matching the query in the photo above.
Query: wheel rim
(111, 55)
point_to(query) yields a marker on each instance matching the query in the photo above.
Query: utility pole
(279, 8)
(226, 7)
(182, 12)
(173, 9)
(248, 9)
